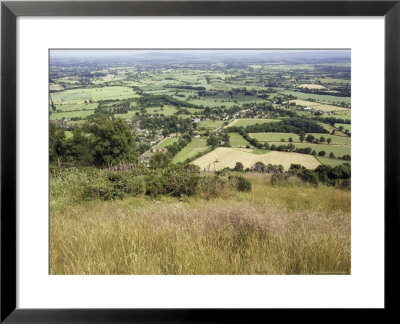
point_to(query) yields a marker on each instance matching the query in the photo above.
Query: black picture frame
(10, 10)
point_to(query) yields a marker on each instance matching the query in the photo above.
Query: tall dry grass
(283, 229)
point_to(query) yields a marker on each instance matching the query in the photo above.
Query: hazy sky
(122, 52)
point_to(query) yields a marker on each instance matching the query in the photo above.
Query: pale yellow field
(223, 157)
(56, 87)
(250, 121)
(311, 86)
(318, 105)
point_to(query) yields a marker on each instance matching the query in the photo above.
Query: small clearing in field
(223, 157)
(311, 86)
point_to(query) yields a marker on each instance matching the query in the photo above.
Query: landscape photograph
(199, 162)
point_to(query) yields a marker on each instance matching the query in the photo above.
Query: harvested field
(311, 86)
(251, 121)
(223, 157)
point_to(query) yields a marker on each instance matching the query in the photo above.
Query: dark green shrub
(97, 188)
(119, 184)
(308, 176)
(243, 184)
(135, 185)
(239, 167)
(154, 185)
(211, 186)
(277, 177)
(180, 180)
(260, 166)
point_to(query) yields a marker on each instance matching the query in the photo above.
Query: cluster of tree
(213, 93)
(121, 106)
(332, 120)
(169, 124)
(221, 139)
(258, 167)
(183, 87)
(266, 107)
(102, 109)
(290, 125)
(331, 176)
(346, 131)
(303, 150)
(334, 175)
(100, 142)
(341, 92)
(312, 139)
(161, 100)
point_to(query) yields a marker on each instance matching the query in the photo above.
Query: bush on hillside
(135, 185)
(180, 180)
(97, 188)
(243, 184)
(211, 187)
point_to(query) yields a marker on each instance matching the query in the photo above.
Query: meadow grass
(166, 111)
(345, 126)
(96, 94)
(276, 137)
(73, 107)
(69, 114)
(337, 150)
(321, 98)
(237, 140)
(210, 124)
(274, 229)
(168, 141)
(196, 146)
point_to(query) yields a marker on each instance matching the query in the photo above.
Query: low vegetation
(223, 227)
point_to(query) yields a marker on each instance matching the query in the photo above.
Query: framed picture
(193, 161)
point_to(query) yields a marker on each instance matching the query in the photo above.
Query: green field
(128, 115)
(338, 150)
(213, 102)
(343, 140)
(237, 140)
(167, 110)
(210, 124)
(345, 126)
(70, 114)
(196, 146)
(94, 94)
(341, 115)
(319, 98)
(74, 107)
(274, 137)
(243, 122)
(167, 142)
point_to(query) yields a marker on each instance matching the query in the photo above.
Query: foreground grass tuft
(284, 229)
